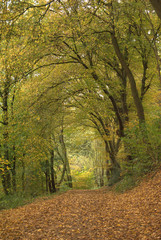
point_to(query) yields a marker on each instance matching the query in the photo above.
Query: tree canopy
(79, 92)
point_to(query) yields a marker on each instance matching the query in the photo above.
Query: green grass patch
(20, 199)
(13, 201)
(127, 183)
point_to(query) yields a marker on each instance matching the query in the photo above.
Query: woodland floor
(89, 215)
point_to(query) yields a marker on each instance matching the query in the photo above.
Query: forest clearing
(89, 215)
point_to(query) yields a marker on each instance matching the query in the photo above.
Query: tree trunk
(47, 176)
(115, 168)
(114, 104)
(13, 170)
(123, 93)
(136, 98)
(102, 177)
(66, 161)
(53, 188)
(23, 175)
(62, 176)
(13, 164)
(6, 181)
(6, 174)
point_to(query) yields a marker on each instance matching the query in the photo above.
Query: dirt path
(89, 215)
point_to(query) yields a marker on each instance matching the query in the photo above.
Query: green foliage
(15, 200)
(34, 183)
(115, 176)
(144, 155)
(144, 151)
(83, 180)
(127, 183)
(137, 148)
(154, 131)
(19, 199)
(64, 187)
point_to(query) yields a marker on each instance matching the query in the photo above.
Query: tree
(76, 63)
(15, 65)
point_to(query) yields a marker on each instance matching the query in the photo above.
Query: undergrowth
(13, 201)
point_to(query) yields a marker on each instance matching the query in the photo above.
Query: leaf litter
(89, 215)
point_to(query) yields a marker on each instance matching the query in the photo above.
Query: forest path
(89, 215)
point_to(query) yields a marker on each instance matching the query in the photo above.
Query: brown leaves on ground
(89, 215)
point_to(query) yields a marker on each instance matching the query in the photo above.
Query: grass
(15, 200)
(127, 183)
(21, 199)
